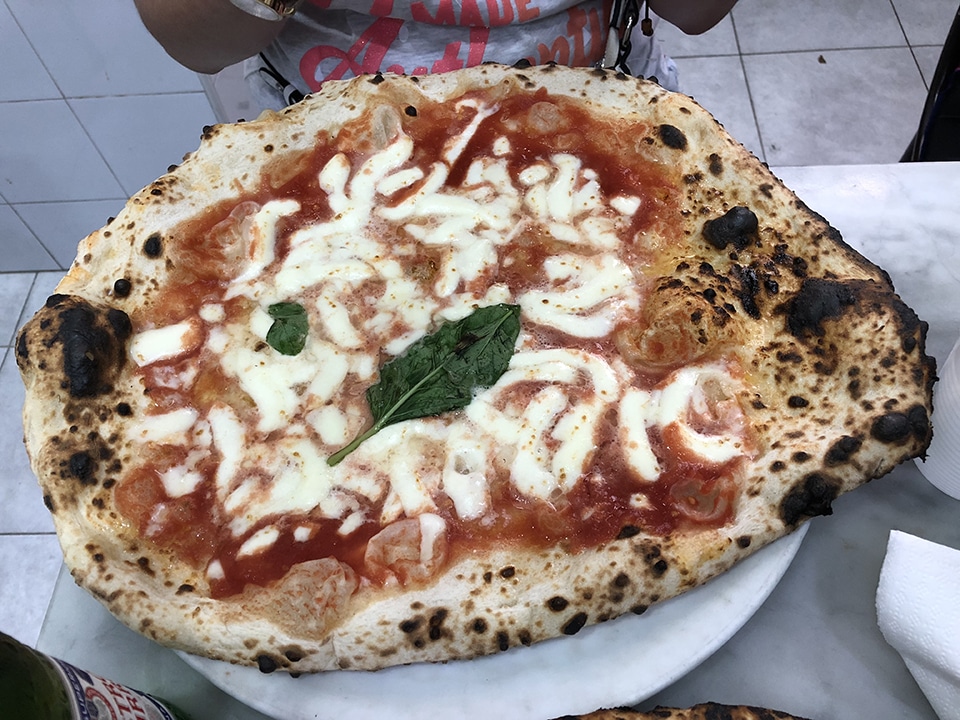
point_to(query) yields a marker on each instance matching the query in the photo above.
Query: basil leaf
(441, 371)
(288, 334)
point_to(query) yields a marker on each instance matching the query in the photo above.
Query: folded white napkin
(918, 610)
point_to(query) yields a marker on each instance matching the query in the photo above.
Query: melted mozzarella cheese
(588, 294)
(402, 250)
(164, 343)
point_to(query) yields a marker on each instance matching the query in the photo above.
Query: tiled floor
(91, 110)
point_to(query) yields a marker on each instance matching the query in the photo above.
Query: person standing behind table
(319, 40)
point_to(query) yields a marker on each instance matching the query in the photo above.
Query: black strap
(291, 94)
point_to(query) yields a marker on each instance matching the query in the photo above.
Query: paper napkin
(918, 610)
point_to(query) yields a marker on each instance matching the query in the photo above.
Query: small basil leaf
(288, 333)
(441, 371)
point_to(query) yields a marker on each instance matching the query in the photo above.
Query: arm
(692, 16)
(206, 35)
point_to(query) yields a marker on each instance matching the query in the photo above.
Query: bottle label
(96, 698)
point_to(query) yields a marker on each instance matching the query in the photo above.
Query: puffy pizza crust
(703, 711)
(840, 391)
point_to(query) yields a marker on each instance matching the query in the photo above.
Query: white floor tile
(99, 48)
(21, 501)
(61, 226)
(46, 155)
(801, 123)
(24, 77)
(926, 22)
(719, 85)
(21, 249)
(29, 565)
(142, 135)
(719, 40)
(14, 289)
(44, 285)
(927, 58)
(776, 26)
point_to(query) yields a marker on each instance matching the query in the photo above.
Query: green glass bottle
(34, 686)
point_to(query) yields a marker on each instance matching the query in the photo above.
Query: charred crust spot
(639, 609)
(743, 542)
(293, 654)
(120, 322)
(92, 349)
(488, 577)
(817, 300)
(715, 164)
(124, 409)
(266, 664)
(153, 246)
(479, 626)
(795, 401)
(410, 110)
(737, 227)
(659, 568)
(503, 641)
(575, 624)
(800, 456)
(508, 572)
(56, 300)
(672, 137)
(557, 603)
(628, 531)
(184, 589)
(83, 467)
(411, 626)
(749, 289)
(122, 288)
(895, 427)
(621, 580)
(377, 79)
(842, 450)
(435, 624)
(525, 638)
(22, 352)
(810, 497)
(48, 501)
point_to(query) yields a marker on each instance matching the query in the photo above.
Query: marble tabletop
(813, 647)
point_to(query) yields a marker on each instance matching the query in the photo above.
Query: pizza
(428, 368)
(703, 711)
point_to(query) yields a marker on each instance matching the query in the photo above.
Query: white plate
(617, 663)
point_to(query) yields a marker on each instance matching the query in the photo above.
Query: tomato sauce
(689, 493)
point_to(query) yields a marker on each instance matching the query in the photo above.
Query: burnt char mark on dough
(575, 624)
(672, 137)
(843, 450)
(818, 300)
(737, 227)
(810, 497)
(897, 427)
(749, 290)
(92, 342)
(83, 466)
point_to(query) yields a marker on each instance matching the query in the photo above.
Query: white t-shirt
(334, 39)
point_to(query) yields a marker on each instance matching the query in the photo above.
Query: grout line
(49, 533)
(746, 81)
(23, 307)
(35, 236)
(102, 96)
